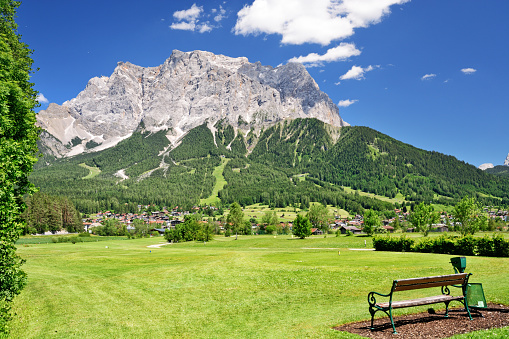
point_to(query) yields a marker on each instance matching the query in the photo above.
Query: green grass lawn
(94, 171)
(219, 185)
(255, 287)
(286, 214)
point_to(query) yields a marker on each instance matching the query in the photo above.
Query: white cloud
(205, 28)
(428, 76)
(341, 52)
(221, 15)
(42, 99)
(189, 20)
(304, 21)
(184, 26)
(191, 14)
(357, 72)
(346, 103)
(468, 70)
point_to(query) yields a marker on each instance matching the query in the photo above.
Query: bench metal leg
(468, 311)
(447, 309)
(392, 321)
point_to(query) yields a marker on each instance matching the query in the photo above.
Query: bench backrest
(426, 282)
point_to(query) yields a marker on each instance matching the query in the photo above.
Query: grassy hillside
(289, 164)
(255, 287)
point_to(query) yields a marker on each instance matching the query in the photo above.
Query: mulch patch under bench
(426, 325)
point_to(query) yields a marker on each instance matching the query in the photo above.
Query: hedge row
(496, 246)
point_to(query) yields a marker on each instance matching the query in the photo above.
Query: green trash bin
(475, 296)
(459, 264)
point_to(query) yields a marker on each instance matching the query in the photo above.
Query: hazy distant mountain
(187, 90)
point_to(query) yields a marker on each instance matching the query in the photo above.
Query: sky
(430, 73)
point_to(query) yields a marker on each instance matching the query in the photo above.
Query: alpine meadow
(253, 169)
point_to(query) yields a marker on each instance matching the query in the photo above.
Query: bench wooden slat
(412, 281)
(428, 285)
(421, 301)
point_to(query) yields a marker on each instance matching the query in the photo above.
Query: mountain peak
(187, 90)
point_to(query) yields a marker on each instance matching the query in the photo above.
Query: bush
(443, 244)
(395, 244)
(496, 246)
(425, 245)
(500, 246)
(485, 247)
(466, 245)
(84, 234)
(74, 239)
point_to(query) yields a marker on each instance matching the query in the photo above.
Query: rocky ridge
(187, 90)
(490, 165)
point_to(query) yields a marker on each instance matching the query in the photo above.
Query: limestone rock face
(188, 89)
(486, 166)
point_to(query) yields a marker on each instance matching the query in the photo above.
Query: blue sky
(431, 73)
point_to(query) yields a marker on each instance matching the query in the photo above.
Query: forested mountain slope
(290, 163)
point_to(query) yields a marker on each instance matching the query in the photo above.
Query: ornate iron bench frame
(444, 281)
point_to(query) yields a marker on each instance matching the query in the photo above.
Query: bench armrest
(445, 289)
(372, 298)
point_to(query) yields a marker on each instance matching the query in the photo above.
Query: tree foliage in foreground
(301, 227)
(423, 217)
(18, 148)
(470, 216)
(371, 222)
(190, 230)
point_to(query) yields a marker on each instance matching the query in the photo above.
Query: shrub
(500, 246)
(425, 245)
(446, 244)
(74, 239)
(466, 245)
(485, 247)
(395, 244)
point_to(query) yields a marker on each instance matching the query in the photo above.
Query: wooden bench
(444, 281)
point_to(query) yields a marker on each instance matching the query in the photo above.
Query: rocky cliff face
(187, 90)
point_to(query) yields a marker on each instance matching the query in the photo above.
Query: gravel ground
(426, 325)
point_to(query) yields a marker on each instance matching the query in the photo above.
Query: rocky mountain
(492, 168)
(186, 91)
(486, 166)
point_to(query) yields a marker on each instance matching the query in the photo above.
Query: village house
(344, 229)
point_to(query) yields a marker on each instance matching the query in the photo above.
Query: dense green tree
(141, 228)
(320, 217)
(49, 213)
(18, 148)
(206, 232)
(235, 219)
(110, 227)
(470, 216)
(423, 217)
(301, 227)
(371, 222)
(270, 221)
